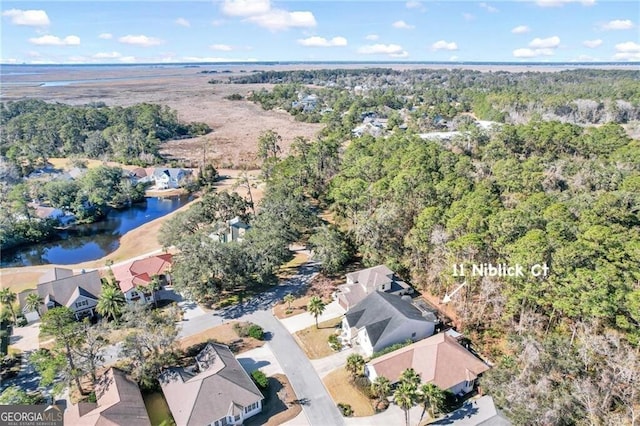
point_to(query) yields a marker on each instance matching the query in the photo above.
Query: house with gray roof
(215, 391)
(60, 287)
(118, 402)
(381, 320)
(361, 283)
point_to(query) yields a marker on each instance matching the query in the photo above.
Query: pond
(93, 241)
(158, 410)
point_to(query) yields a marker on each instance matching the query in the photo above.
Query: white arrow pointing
(447, 297)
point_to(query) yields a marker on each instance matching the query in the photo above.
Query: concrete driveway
(391, 416)
(326, 365)
(305, 319)
(26, 338)
(262, 359)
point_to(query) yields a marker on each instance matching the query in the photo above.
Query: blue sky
(147, 31)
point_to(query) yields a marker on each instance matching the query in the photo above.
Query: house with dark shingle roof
(439, 359)
(215, 391)
(361, 283)
(118, 402)
(381, 320)
(59, 287)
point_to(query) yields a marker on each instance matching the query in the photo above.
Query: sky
(152, 31)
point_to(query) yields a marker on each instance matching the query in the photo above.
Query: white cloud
(277, 19)
(106, 36)
(140, 40)
(468, 16)
(394, 50)
(246, 7)
(453, 58)
(627, 51)
(107, 55)
(49, 40)
(128, 59)
(372, 37)
(322, 42)
(215, 59)
(557, 3)
(221, 47)
(545, 43)
(444, 45)
(521, 29)
(183, 22)
(402, 25)
(488, 8)
(532, 53)
(628, 46)
(618, 24)
(412, 4)
(30, 18)
(217, 22)
(402, 54)
(592, 44)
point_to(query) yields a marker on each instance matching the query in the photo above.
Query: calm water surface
(93, 241)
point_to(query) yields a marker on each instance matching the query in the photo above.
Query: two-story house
(381, 320)
(134, 278)
(366, 281)
(60, 287)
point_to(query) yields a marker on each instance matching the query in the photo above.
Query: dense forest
(32, 131)
(578, 96)
(565, 346)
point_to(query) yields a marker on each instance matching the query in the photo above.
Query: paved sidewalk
(305, 319)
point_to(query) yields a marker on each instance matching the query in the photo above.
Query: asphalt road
(320, 409)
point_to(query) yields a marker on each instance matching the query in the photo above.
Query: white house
(216, 391)
(59, 287)
(439, 359)
(381, 320)
(361, 283)
(166, 178)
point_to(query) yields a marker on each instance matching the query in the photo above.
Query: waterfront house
(134, 278)
(60, 287)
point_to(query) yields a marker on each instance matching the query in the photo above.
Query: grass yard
(278, 406)
(290, 268)
(313, 341)
(224, 334)
(298, 306)
(338, 383)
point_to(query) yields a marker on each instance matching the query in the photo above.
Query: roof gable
(439, 359)
(381, 313)
(203, 395)
(64, 290)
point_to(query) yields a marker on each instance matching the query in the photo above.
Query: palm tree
(316, 307)
(411, 377)
(155, 286)
(111, 303)
(32, 303)
(8, 298)
(355, 365)
(405, 397)
(289, 298)
(381, 388)
(432, 399)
